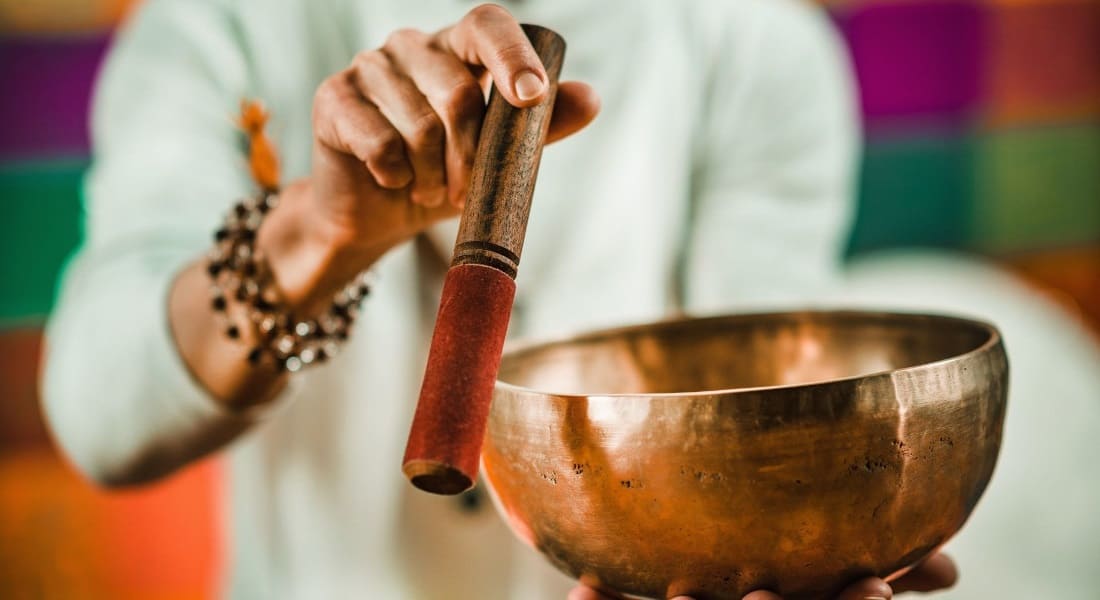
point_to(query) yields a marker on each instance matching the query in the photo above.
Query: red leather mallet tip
(449, 425)
(444, 445)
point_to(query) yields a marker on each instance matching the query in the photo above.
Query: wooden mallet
(444, 445)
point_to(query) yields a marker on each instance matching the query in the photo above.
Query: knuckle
(515, 54)
(327, 96)
(458, 182)
(464, 155)
(427, 130)
(466, 159)
(462, 100)
(483, 13)
(368, 61)
(402, 38)
(384, 147)
(456, 195)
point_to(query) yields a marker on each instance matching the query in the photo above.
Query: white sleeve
(166, 165)
(774, 183)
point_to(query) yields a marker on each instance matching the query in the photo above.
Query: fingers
(574, 108)
(583, 592)
(871, 588)
(452, 92)
(408, 111)
(762, 595)
(936, 573)
(344, 121)
(488, 36)
(411, 111)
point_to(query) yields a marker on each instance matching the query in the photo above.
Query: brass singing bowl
(795, 452)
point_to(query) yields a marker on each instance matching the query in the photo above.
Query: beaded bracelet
(237, 270)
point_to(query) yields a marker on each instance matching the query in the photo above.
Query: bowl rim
(992, 340)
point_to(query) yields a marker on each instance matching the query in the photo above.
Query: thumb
(574, 108)
(489, 37)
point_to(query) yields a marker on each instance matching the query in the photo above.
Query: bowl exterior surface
(797, 489)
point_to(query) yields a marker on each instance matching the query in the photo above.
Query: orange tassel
(262, 157)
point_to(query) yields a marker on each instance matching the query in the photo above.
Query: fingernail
(874, 598)
(528, 85)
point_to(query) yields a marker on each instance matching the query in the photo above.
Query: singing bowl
(795, 452)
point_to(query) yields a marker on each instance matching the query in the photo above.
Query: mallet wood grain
(448, 428)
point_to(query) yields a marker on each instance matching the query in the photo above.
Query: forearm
(141, 378)
(115, 392)
(307, 265)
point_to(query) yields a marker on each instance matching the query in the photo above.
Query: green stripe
(41, 222)
(915, 192)
(1039, 188)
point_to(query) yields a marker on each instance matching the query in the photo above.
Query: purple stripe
(47, 86)
(923, 61)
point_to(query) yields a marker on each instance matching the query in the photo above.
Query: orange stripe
(65, 539)
(61, 16)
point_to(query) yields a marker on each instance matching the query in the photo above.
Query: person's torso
(320, 508)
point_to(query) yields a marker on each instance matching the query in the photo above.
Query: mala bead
(292, 364)
(237, 269)
(262, 305)
(285, 344)
(308, 355)
(267, 324)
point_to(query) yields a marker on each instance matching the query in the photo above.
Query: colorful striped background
(983, 121)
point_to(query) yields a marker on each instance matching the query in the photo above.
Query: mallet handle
(494, 220)
(444, 445)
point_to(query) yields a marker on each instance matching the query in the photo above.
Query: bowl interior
(727, 353)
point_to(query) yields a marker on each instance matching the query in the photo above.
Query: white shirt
(718, 177)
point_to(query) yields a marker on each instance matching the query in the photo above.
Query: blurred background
(983, 136)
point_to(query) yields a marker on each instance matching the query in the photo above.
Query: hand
(395, 137)
(936, 573)
(394, 140)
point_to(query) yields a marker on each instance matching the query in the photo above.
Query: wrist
(308, 258)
